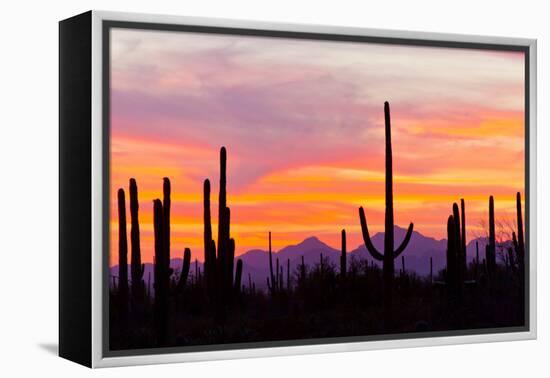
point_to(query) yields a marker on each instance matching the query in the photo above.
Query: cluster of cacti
(221, 281)
(320, 287)
(456, 250)
(389, 253)
(136, 268)
(162, 270)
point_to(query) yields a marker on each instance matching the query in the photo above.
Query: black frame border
(75, 188)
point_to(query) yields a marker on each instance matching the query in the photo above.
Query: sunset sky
(302, 122)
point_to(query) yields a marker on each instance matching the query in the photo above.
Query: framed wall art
(233, 189)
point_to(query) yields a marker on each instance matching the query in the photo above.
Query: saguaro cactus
(459, 235)
(343, 257)
(137, 268)
(519, 242)
(457, 238)
(122, 246)
(389, 252)
(223, 222)
(230, 257)
(456, 250)
(219, 263)
(490, 249)
(273, 282)
(453, 257)
(209, 246)
(122, 258)
(162, 274)
(186, 264)
(166, 204)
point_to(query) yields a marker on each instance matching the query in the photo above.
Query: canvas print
(269, 190)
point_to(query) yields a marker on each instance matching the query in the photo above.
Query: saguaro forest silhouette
(224, 298)
(272, 190)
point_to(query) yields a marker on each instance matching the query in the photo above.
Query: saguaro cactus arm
(366, 237)
(520, 237)
(405, 242)
(515, 240)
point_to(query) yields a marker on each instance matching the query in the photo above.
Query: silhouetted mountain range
(417, 256)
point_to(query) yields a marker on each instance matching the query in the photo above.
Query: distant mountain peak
(397, 227)
(311, 240)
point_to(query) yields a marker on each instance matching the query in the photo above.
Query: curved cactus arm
(366, 237)
(405, 242)
(515, 241)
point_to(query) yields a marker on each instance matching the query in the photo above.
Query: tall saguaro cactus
(343, 257)
(490, 249)
(389, 253)
(209, 246)
(519, 242)
(456, 250)
(463, 257)
(273, 280)
(166, 204)
(122, 258)
(137, 268)
(452, 276)
(122, 246)
(219, 266)
(162, 274)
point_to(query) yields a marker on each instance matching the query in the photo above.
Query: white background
(29, 190)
